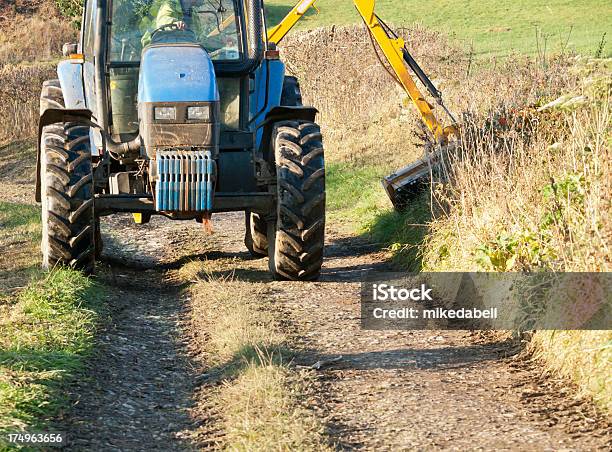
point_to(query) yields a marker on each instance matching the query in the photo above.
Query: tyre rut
(423, 390)
(137, 394)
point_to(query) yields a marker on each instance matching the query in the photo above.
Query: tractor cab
(139, 26)
(213, 25)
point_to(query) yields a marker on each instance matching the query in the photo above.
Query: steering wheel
(170, 26)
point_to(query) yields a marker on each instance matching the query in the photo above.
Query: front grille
(185, 181)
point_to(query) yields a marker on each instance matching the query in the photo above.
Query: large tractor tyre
(296, 251)
(256, 239)
(292, 94)
(68, 219)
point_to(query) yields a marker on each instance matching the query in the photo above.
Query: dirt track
(406, 390)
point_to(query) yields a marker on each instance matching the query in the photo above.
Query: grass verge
(46, 328)
(356, 202)
(46, 332)
(261, 398)
(582, 356)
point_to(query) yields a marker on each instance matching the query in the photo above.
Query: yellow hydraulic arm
(397, 55)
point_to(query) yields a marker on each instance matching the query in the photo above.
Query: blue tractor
(183, 115)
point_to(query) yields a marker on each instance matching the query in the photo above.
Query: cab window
(214, 24)
(89, 31)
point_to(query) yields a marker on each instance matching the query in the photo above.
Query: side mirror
(69, 49)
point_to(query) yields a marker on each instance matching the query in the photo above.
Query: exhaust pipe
(122, 148)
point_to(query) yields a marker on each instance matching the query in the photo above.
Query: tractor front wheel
(68, 221)
(256, 239)
(296, 250)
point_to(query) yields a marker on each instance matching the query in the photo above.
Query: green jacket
(161, 12)
(164, 12)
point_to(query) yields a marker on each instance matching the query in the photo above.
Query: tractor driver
(206, 25)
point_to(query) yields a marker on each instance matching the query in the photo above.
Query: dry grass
(582, 356)
(19, 99)
(261, 398)
(263, 412)
(365, 115)
(529, 189)
(34, 39)
(31, 39)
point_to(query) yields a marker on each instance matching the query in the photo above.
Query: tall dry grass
(31, 39)
(529, 188)
(33, 32)
(19, 99)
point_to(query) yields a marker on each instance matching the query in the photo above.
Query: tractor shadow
(145, 264)
(346, 261)
(347, 257)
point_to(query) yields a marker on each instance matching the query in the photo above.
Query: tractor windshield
(212, 23)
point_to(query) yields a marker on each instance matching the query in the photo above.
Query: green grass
(494, 27)
(46, 329)
(13, 216)
(45, 335)
(353, 193)
(44, 338)
(19, 238)
(356, 200)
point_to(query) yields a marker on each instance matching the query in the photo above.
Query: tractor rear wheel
(296, 251)
(68, 220)
(256, 239)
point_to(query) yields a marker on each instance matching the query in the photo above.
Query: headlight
(199, 113)
(165, 113)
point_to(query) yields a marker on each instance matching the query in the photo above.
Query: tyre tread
(300, 233)
(69, 227)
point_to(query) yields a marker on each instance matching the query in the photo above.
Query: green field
(494, 27)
